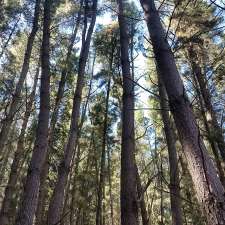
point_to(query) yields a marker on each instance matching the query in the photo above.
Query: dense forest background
(112, 112)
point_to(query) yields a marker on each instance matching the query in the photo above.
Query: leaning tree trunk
(7, 204)
(56, 203)
(209, 135)
(40, 213)
(209, 189)
(128, 195)
(216, 132)
(30, 199)
(7, 122)
(76, 158)
(175, 198)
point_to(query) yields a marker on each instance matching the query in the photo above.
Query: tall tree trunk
(102, 167)
(76, 160)
(209, 189)
(209, 136)
(128, 195)
(65, 71)
(191, 208)
(173, 163)
(30, 199)
(7, 122)
(7, 204)
(216, 132)
(40, 213)
(56, 202)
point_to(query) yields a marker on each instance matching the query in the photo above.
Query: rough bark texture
(208, 130)
(175, 199)
(7, 204)
(7, 122)
(209, 189)
(128, 195)
(56, 203)
(40, 213)
(30, 199)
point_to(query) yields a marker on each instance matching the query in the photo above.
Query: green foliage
(197, 24)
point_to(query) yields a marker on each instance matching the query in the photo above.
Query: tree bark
(40, 213)
(7, 204)
(74, 189)
(128, 195)
(208, 130)
(216, 132)
(175, 199)
(209, 189)
(30, 199)
(76, 158)
(56, 202)
(7, 122)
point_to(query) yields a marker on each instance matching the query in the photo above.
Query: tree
(129, 208)
(25, 67)
(175, 198)
(210, 191)
(116, 128)
(66, 70)
(7, 204)
(30, 198)
(56, 203)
